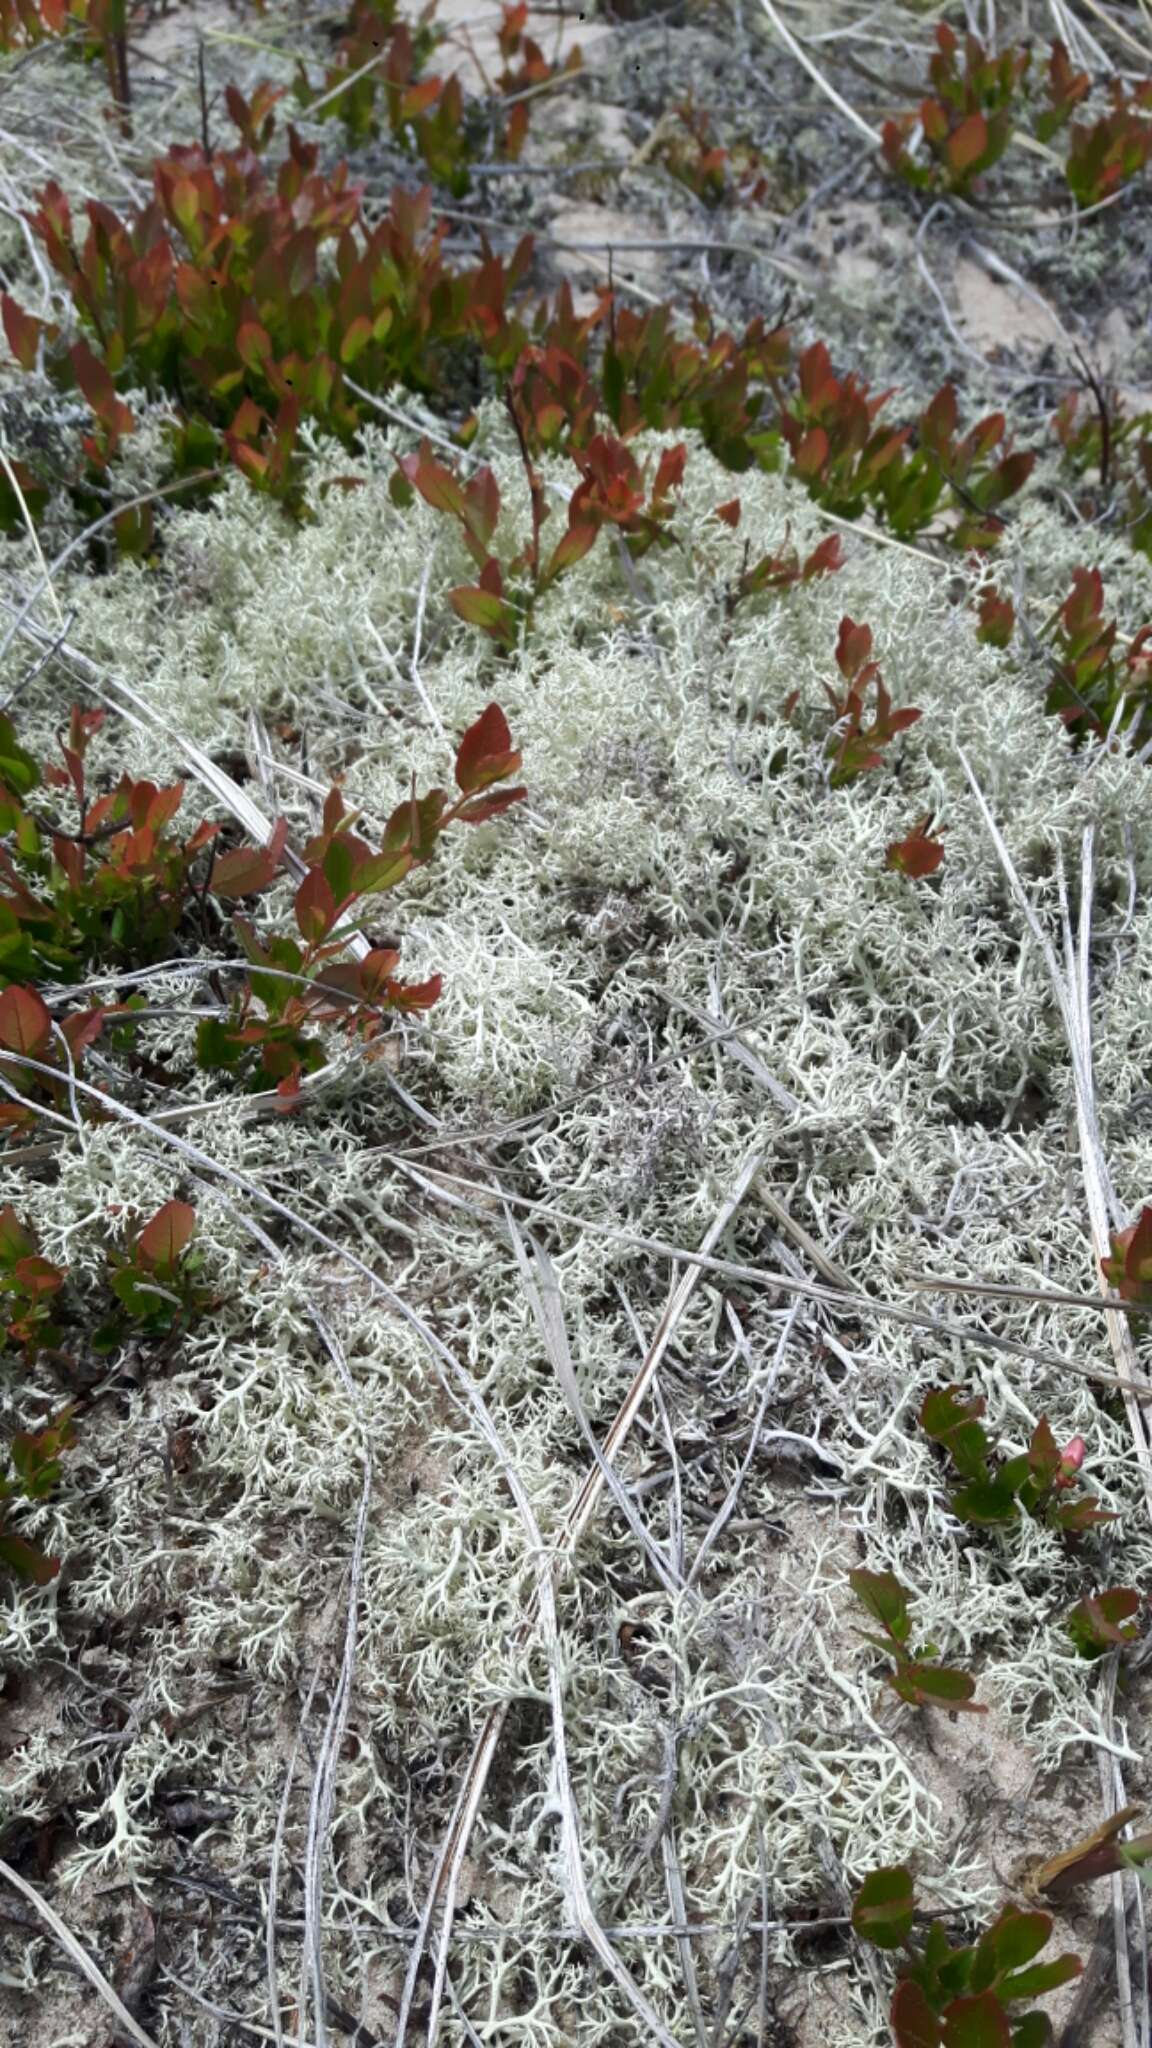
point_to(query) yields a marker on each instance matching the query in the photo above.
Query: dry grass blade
(758, 1276)
(543, 1291)
(1122, 1882)
(1073, 994)
(328, 1759)
(1072, 991)
(584, 1507)
(80, 1956)
(842, 106)
(1045, 1297)
(454, 1846)
(456, 1380)
(728, 1505)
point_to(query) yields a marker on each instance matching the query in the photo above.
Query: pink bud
(1072, 1456)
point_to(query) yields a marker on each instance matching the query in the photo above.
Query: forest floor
(453, 1638)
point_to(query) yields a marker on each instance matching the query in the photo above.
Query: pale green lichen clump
(680, 865)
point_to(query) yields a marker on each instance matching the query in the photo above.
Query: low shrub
(917, 1676)
(961, 1997)
(997, 1490)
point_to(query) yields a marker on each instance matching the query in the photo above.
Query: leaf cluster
(153, 1295)
(1116, 447)
(851, 458)
(994, 1490)
(961, 1997)
(917, 1676)
(858, 733)
(1093, 681)
(119, 890)
(248, 298)
(297, 983)
(111, 891)
(378, 81)
(976, 103)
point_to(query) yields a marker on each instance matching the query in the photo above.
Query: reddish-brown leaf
(918, 854)
(25, 1023)
(914, 2024)
(249, 869)
(968, 144)
(315, 907)
(576, 543)
(485, 753)
(478, 808)
(853, 648)
(162, 1240)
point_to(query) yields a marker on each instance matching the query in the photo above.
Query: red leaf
(249, 869)
(825, 559)
(853, 648)
(576, 543)
(729, 513)
(480, 807)
(36, 1277)
(914, 2024)
(812, 453)
(377, 970)
(162, 1240)
(917, 855)
(417, 995)
(976, 2023)
(25, 1024)
(997, 616)
(26, 1560)
(96, 384)
(670, 472)
(23, 331)
(968, 143)
(289, 1091)
(81, 1029)
(1085, 603)
(485, 753)
(253, 344)
(315, 906)
(437, 485)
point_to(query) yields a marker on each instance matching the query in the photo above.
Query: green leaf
(884, 1907)
(15, 1241)
(216, 1045)
(1034, 2030)
(954, 1971)
(381, 871)
(986, 1502)
(338, 864)
(1045, 1977)
(482, 608)
(1008, 1944)
(885, 1599)
(979, 2022)
(1102, 1620)
(941, 1685)
(18, 771)
(951, 1420)
(575, 544)
(26, 1560)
